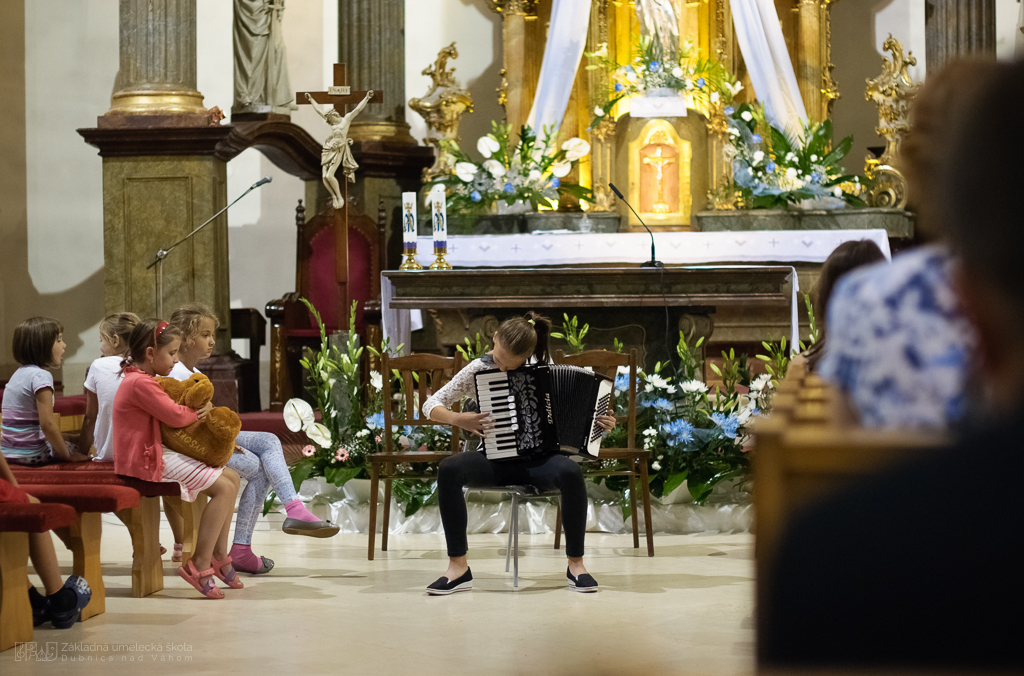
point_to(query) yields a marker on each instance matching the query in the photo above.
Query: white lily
(465, 171)
(561, 169)
(318, 434)
(376, 380)
(598, 111)
(575, 148)
(534, 175)
(487, 145)
(691, 386)
(677, 72)
(297, 414)
(734, 89)
(495, 168)
(747, 117)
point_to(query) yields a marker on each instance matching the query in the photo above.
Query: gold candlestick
(440, 263)
(410, 264)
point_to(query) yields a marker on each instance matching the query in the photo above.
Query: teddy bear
(211, 440)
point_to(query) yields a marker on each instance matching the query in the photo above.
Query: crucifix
(337, 149)
(658, 161)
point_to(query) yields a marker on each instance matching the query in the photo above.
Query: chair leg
(371, 528)
(515, 546)
(143, 524)
(511, 527)
(83, 539)
(191, 516)
(386, 526)
(632, 508)
(558, 525)
(645, 488)
(15, 610)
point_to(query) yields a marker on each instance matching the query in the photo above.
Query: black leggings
(476, 471)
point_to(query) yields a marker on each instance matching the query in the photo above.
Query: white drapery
(567, 37)
(771, 71)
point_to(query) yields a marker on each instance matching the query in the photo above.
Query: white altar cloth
(672, 248)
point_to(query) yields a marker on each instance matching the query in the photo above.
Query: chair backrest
(607, 363)
(431, 373)
(332, 277)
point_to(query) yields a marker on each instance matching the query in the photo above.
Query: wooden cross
(341, 94)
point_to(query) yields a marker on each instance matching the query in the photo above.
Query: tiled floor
(326, 609)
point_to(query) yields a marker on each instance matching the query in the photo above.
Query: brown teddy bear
(211, 440)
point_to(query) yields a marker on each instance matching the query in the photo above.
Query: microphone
(653, 263)
(262, 181)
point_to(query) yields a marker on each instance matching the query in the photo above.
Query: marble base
(899, 224)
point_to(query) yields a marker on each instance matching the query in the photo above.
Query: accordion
(541, 410)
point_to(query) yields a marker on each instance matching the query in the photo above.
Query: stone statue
(659, 21)
(442, 107)
(261, 70)
(338, 146)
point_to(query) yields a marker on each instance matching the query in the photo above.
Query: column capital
(510, 7)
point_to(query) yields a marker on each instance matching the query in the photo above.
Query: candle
(440, 219)
(409, 222)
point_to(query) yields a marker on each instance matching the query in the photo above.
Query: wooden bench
(82, 537)
(16, 522)
(806, 449)
(142, 521)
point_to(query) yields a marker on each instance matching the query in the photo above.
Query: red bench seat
(93, 473)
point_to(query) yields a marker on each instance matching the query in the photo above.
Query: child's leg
(174, 519)
(44, 558)
(222, 496)
(454, 472)
(248, 467)
(268, 447)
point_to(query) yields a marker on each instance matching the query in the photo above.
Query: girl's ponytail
(542, 327)
(526, 336)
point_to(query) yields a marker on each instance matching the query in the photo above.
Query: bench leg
(191, 514)
(83, 539)
(632, 509)
(143, 524)
(371, 529)
(645, 492)
(386, 525)
(15, 610)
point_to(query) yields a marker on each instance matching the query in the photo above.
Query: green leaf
(339, 476)
(301, 472)
(674, 481)
(268, 504)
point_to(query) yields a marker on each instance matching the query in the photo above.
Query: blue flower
(618, 86)
(729, 424)
(408, 431)
(756, 138)
(678, 431)
(815, 177)
(655, 66)
(555, 182)
(376, 421)
(770, 166)
(729, 110)
(622, 382)
(475, 195)
(662, 404)
(700, 82)
(509, 188)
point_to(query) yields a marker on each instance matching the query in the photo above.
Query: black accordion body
(541, 410)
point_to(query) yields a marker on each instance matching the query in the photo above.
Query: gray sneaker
(313, 529)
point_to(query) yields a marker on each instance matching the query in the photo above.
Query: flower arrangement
(705, 82)
(529, 170)
(695, 435)
(771, 169)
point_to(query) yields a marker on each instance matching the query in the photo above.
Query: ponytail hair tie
(532, 323)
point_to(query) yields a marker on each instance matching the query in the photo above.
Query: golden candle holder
(410, 264)
(441, 263)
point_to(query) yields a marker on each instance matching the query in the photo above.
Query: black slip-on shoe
(313, 529)
(67, 617)
(38, 602)
(445, 586)
(583, 583)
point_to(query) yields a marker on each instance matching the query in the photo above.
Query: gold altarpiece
(695, 139)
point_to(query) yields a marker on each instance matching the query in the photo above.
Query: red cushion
(92, 474)
(35, 518)
(323, 278)
(74, 405)
(86, 498)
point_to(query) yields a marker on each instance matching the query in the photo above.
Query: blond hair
(187, 319)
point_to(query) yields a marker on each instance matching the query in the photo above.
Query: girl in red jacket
(140, 405)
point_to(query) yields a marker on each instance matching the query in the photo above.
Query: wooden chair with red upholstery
(432, 372)
(339, 256)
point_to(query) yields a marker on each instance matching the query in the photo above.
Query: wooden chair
(338, 260)
(607, 363)
(432, 372)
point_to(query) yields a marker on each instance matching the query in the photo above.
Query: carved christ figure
(337, 148)
(659, 21)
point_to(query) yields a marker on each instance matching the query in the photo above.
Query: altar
(596, 277)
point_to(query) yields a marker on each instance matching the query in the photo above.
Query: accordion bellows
(541, 410)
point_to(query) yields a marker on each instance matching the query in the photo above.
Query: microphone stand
(653, 263)
(162, 253)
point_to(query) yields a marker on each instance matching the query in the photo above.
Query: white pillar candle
(440, 219)
(409, 221)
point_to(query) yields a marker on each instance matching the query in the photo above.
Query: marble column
(518, 57)
(371, 40)
(956, 28)
(157, 73)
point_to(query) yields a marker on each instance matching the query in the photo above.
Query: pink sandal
(201, 580)
(230, 578)
(176, 556)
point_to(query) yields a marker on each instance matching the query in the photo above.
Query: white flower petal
(561, 169)
(297, 414)
(319, 434)
(575, 148)
(465, 171)
(487, 145)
